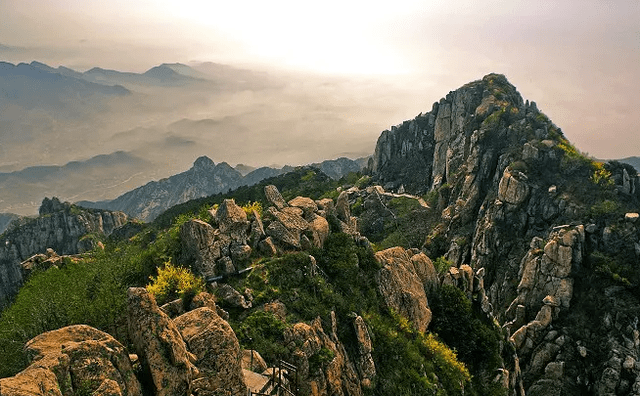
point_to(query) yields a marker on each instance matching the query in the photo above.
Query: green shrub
(363, 182)
(442, 265)
(263, 332)
(409, 362)
(250, 207)
(319, 360)
(476, 342)
(606, 209)
(174, 282)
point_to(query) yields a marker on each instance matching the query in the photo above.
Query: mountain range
(38, 85)
(203, 179)
(633, 161)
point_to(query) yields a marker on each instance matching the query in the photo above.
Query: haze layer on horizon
(579, 60)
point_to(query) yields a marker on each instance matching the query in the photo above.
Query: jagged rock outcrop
(365, 364)
(213, 252)
(62, 227)
(159, 344)
(539, 221)
(335, 377)
(195, 353)
(402, 288)
(213, 342)
(72, 360)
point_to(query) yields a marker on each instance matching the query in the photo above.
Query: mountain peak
(203, 162)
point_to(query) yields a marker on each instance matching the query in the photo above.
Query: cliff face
(60, 227)
(551, 228)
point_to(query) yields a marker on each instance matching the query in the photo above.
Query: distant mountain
(38, 85)
(6, 219)
(229, 76)
(146, 202)
(162, 75)
(203, 179)
(337, 168)
(244, 169)
(633, 161)
(22, 191)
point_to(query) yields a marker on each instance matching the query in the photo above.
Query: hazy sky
(579, 60)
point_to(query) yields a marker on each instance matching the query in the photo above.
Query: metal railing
(283, 381)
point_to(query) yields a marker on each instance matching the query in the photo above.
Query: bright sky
(578, 59)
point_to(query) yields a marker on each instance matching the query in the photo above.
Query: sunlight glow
(332, 36)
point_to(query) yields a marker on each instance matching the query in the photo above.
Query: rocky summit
(479, 253)
(514, 199)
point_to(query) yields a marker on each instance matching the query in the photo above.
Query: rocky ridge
(62, 227)
(514, 199)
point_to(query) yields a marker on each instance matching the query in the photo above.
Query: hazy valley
(101, 133)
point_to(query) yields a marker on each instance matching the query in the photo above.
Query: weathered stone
(365, 364)
(267, 247)
(173, 308)
(216, 347)
(306, 204)
(69, 360)
(239, 252)
(319, 228)
(251, 360)
(425, 270)
(159, 344)
(631, 217)
(277, 308)
(327, 205)
(283, 236)
(342, 207)
(274, 197)
(199, 246)
(224, 265)
(292, 221)
(257, 230)
(232, 221)
(232, 297)
(33, 381)
(401, 287)
(512, 189)
(629, 363)
(337, 377)
(554, 370)
(582, 351)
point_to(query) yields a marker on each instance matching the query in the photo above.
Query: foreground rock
(74, 360)
(402, 288)
(216, 347)
(196, 353)
(159, 345)
(337, 376)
